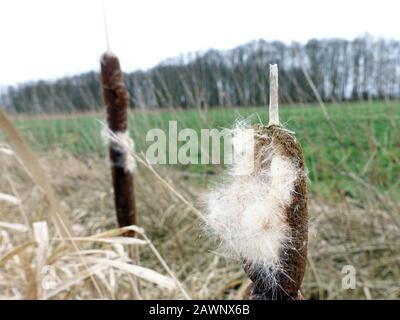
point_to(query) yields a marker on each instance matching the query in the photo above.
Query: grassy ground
(354, 171)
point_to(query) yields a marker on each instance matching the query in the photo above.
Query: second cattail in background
(120, 145)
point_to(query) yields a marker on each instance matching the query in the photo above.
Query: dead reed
(34, 169)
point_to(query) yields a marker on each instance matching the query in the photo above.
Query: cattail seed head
(261, 217)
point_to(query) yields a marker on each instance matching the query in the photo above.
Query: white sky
(50, 39)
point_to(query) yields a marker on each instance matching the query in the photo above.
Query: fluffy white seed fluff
(243, 150)
(247, 211)
(123, 142)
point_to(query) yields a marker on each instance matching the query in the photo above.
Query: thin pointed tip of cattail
(273, 95)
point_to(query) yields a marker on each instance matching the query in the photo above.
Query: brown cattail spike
(116, 101)
(293, 254)
(260, 213)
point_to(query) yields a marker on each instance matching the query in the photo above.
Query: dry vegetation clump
(340, 234)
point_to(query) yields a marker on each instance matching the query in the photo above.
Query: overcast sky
(50, 39)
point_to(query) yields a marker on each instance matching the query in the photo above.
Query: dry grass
(340, 234)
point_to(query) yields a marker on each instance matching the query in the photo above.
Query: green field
(354, 173)
(363, 153)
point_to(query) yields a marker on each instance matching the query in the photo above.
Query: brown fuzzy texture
(294, 257)
(114, 93)
(116, 100)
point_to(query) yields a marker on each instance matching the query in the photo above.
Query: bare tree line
(342, 70)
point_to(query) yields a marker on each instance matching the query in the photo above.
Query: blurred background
(204, 64)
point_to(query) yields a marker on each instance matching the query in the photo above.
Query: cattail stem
(273, 95)
(116, 101)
